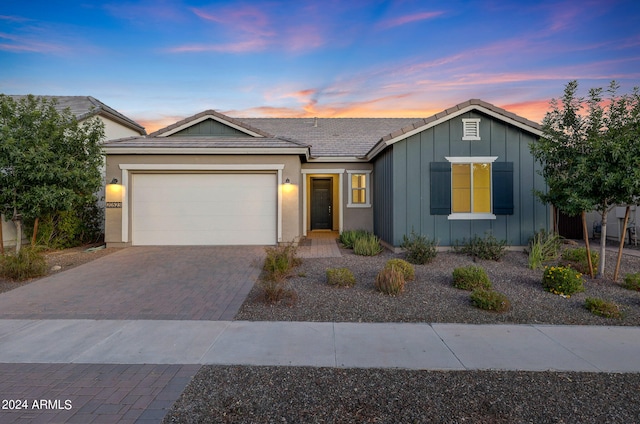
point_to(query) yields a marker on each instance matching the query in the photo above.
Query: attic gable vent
(471, 129)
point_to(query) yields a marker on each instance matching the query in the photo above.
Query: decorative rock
(56, 268)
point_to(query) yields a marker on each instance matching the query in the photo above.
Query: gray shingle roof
(204, 142)
(325, 137)
(85, 106)
(333, 137)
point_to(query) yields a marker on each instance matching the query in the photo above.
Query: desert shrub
(632, 281)
(471, 277)
(408, 272)
(562, 280)
(420, 249)
(342, 277)
(28, 263)
(489, 247)
(279, 261)
(602, 307)
(543, 247)
(577, 258)
(390, 281)
(348, 237)
(490, 300)
(273, 291)
(367, 245)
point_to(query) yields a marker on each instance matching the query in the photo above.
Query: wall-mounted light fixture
(113, 194)
(287, 181)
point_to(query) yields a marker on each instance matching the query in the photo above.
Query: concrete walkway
(322, 344)
(320, 244)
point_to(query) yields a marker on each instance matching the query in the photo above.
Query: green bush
(490, 300)
(341, 277)
(577, 258)
(420, 249)
(390, 281)
(602, 307)
(488, 247)
(471, 277)
(64, 229)
(28, 263)
(403, 266)
(347, 238)
(562, 280)
(543, 247)
(632, 281)
(367, 245)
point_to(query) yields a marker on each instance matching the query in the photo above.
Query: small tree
(49, 161)
(591, 160)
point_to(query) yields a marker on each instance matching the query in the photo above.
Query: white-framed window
(359, 189)
(471, 187)
(471, 129)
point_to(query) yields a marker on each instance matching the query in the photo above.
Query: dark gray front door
(321, 204)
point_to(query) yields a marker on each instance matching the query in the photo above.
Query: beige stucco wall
(8, 233)
(353, 218)
(291, 196)
(114, 130)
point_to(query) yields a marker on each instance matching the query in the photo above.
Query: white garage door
(204, 209)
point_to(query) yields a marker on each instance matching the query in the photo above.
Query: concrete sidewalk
(321, 344)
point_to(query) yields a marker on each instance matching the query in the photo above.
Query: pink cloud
(407, 19)
(25, 45)
(236, 47)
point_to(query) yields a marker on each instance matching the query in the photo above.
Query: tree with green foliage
(49, 162)
(590, 153)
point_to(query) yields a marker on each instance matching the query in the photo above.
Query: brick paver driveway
(176, 283)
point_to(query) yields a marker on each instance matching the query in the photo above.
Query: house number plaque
(115, 205)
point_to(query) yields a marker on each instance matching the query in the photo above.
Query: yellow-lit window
(471, 188)
(358, 188)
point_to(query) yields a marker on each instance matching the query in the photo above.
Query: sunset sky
(160, 61)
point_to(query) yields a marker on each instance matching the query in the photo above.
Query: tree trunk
(35, 232)
(585, 234)
(621, 248)
(18, 224)
(603, 244)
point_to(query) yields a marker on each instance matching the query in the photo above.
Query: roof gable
(460, 109)
(192, 126)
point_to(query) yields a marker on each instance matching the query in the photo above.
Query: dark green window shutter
(502, 188)
(440, 188)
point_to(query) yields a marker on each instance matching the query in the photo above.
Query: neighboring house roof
(84, 107)
(326, 139)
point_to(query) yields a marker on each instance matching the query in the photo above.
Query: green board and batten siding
(210, 127)
(410, 182)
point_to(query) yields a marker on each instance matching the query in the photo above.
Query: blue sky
(160, 61)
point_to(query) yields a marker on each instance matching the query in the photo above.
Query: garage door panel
(204, 209)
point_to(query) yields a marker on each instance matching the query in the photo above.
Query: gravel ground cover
(431, 297)
(322, 395)
(242, 394)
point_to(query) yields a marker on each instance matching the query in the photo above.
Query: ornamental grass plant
(403, 266)
(29, 262)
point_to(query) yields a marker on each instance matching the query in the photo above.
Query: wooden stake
(1, 237)
(35, 232)
(586, 241)
(624, 233)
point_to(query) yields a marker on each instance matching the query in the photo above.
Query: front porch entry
(322, 204)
